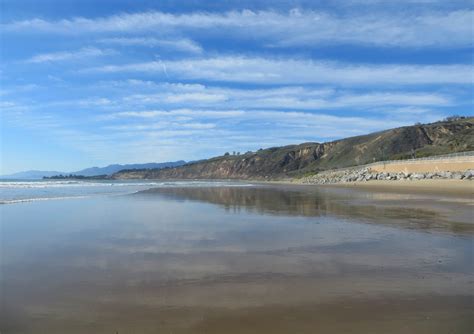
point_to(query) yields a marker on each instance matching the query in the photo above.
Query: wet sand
(452, 188)
(250, 259)
(350, 316)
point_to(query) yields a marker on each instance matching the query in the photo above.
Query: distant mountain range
(452, 135)
(93, 171)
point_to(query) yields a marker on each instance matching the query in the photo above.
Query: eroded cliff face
(265, 164)
(288, 161)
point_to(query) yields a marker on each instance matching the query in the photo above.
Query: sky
(91, 83)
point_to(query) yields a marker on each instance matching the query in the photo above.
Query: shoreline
(463, 188)
(436, 187)
(448, 187)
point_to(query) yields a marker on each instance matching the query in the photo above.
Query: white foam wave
(29, 191)
(68, 184)
(25, 200)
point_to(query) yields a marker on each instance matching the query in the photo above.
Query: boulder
(458, 176)
(469, 174)
(418, 176)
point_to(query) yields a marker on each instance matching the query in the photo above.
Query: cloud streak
(54, 57)
(292, 97)
(182, 44)
(135, 96)
(261, 70)
(281, 125)
(293, 28)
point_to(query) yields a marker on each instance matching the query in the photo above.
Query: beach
(239, 257)
(451, 188)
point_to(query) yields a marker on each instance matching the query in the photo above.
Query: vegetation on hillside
(420, 140)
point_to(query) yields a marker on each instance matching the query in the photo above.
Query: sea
(19, 191)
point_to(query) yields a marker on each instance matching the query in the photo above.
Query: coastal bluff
(296, 161)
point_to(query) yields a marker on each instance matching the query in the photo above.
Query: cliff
(296, 160)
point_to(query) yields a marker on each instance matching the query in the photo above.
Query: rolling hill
(418, 140)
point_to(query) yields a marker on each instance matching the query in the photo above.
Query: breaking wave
(25, 200)
(20, 191)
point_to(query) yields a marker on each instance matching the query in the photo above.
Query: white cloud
(94, 101)
(168, 125)
(296, 27)
(196, 97)
(177, 114)
(283, 97)
(407, 110)
(69, 55)
(140, 114)
(7, 104)
(15, 89)
(137, 134)
(396, 98)
(179, 44)
(124, 100)
(272, 125)
(296, 71)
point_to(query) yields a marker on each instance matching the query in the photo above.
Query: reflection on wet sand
(261, 259)
(400, 210)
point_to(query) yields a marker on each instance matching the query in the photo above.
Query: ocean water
(18, 191)
(230, 257)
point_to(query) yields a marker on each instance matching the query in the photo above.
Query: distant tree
(226, 153)
(453, 118)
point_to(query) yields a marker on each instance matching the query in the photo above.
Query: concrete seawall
(458, 167)
(426, 166)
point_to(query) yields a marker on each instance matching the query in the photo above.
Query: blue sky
(88, 83)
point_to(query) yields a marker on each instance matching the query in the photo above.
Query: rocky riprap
(365, 174)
